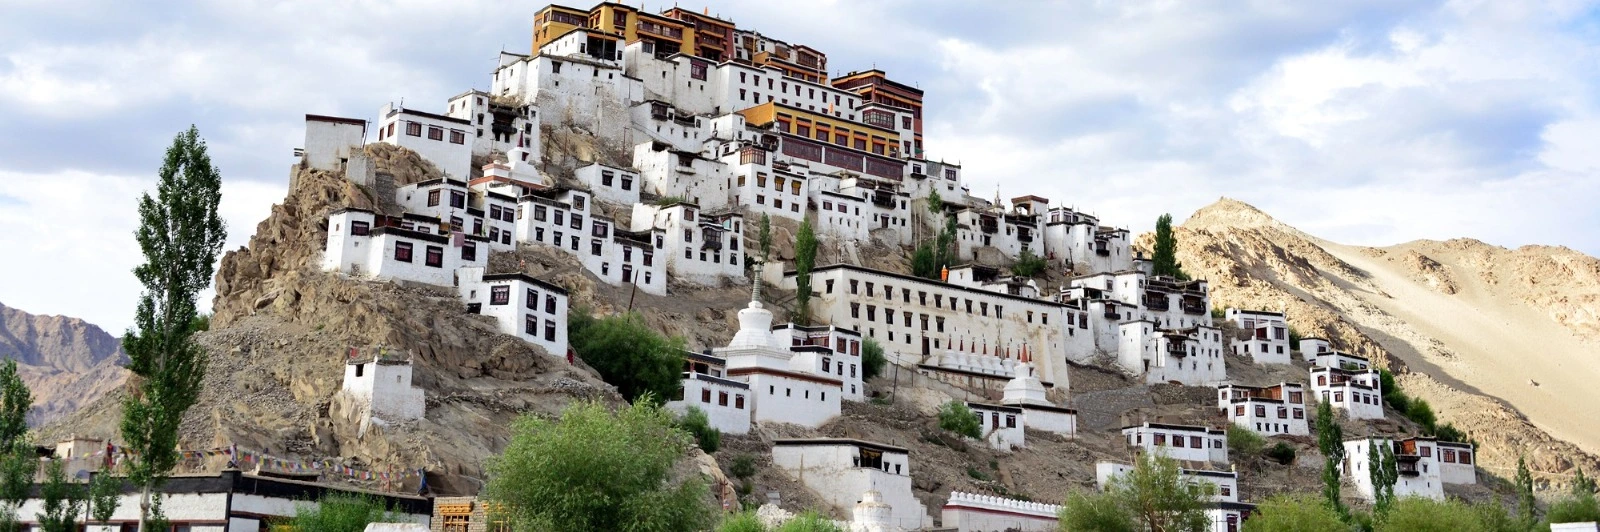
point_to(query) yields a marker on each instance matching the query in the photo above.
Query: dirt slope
(1500, 341)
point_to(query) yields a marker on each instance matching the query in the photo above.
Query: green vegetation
(1330, 440)
(17, 458)
(765, 238)
(61, 500)
(341, 513)
(1582, 485)
(1577, 507)
(741, 522)
(1524, 485)
(1164, 256)
(1244, 443)
(627, 353)
(179, 234)
(1028, 264)
(805, 259)
(924, 264)
(667, 201)
(1420, 514)
(872, 360)
(954, 416)
(593, 469)
(105, 492)
(809, 521)
(695, 423)
(1416, 410)
(1294, 513)
(743, 466)
(1281, 452)
(1153, 496)
(1384, 471)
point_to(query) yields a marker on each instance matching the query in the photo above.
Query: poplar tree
(61, 500)
(180, 234)
(1524, 483)
(1164, 256)
(17, 461)
(805, 258)
(1385, 472)
(1330, 440)
(766, 238)
(105, 494)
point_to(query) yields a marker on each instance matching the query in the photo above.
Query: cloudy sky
(1363, 122)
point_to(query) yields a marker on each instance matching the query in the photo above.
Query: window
(402, 251)
(1196, 442)
(1161, 439)
(435, 133)
(499, 295)
(1299, 413)
(359, 228)
(722, 398)
(549, 304)
(577, 221)
(1283, 412)
(549, 330)
(530, 325)
(458, 199)
(738, 402)
(457, 137)
(705, 395)
(469, 251)
(627, 183)
(435, 257)
(433, 198)
(413, 129)
(1261, 410)
(594, 247)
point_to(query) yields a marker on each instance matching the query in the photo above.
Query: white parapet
(972, 512)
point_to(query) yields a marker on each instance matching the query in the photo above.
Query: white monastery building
(523, 306)
(1226, 513)
(1188, 443)
(842, 469)
(1358, 393)
(1415, 459)
(1190, 356)
(1274, 410)
(1269, 335)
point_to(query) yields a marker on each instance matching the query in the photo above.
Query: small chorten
(872, 514)
(1025, 388)
(755, 323)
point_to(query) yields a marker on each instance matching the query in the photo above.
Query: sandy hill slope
(66, 362)
(1502, 342)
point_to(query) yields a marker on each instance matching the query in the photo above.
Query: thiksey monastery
(716, 126)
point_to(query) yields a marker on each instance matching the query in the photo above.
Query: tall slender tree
(180, 234)
(805, 258)
(105, 494)
(1524, 483)
(1385, 472)
(17, 461)
(61, 500)
(1164, 256)
(1330, 440)
(765, 238)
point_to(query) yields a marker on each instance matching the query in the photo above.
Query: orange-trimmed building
(874, 86)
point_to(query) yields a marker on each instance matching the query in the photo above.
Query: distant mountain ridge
(1498, 340)
(66, 362)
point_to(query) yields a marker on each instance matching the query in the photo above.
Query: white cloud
(73, 233)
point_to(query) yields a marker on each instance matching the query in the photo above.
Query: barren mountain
(66, 362)
(1500, 341)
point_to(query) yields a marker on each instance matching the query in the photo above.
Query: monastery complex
(719, 126)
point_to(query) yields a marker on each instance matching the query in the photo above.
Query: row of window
(1261, 412)
(828, 367)
(501, 295)
(414, 129)
(434, 256)
(607, 177)
(1160, 440)
(789, 392)
(778, 183)
(994, 420)
(530, 325)
(1357, 397)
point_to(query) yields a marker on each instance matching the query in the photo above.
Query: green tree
(1422, 413)
(627, 353)
(1281, 453)
(873, 360)
(935, 202)
(805, 258)
(1330, 440)
(765, 239)
(944, 252)
(593, 469)
(17, 462)
(1164, 256)
(954, 416)
(695, 422)
(809, 521)
(15, 400)
(60, 500)
(341, 513)
(743, 466)
(741, 522)
(180, 234)
(1524, 486)
(1244, 443)
(1384, 473)
(1028, 264)
(924, 263)
(1294, 513)
(105, 494)
(1153, 496)
(1582, 485)
(1574, 508)
(1421, 514)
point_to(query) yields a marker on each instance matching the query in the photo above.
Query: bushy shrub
(698, 425)
(1028, 264)
(1282, 453)
(809, 521)
(1244, 443)
(872, 360)
(954, 416)
(741, 522)
(743, 466)
(627, 353)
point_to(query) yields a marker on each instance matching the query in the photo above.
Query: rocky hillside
(1500, 341)
(67, 362)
